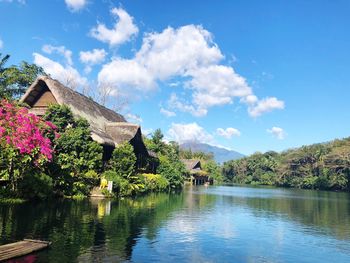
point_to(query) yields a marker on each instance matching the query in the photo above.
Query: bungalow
(107, 127)
(195, 174)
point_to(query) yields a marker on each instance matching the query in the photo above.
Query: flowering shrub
(24, 141)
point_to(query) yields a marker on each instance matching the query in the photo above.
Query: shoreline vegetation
(322, 166)
(55, 156)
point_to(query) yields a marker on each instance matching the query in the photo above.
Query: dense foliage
(319, 166)
(170, 166)
(77, 157)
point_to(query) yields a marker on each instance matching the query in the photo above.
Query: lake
(213, 224)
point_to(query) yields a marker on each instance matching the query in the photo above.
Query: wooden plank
(21, 248)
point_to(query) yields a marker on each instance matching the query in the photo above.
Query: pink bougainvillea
(25, 133)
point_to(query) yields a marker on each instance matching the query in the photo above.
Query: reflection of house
(195, 173)
(107, 127)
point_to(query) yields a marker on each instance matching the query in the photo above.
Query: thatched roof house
(107, 127)
(195, 173)
(192, 165)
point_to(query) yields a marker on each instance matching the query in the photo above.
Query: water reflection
(215, 224)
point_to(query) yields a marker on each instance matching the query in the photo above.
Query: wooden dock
(21, 248)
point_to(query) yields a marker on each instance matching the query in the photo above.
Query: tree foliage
(14, 80)
(75, 152)
(170, 166)
(318, 166)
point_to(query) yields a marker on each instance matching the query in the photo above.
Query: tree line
(324, 166)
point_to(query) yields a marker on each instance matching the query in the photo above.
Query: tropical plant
(24, 142)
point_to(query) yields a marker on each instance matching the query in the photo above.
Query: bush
(35, 185)
(172, 172)
(123, 160)
(120, 184)
(154, 182)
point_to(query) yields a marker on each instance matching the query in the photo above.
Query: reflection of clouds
(190, 224)
(185, 225)
(224, 226)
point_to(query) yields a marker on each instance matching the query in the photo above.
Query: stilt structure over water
(196, 175)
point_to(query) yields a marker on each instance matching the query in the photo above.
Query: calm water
(215, 224)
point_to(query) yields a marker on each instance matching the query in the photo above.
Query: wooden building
(107, 127)
(195, 174)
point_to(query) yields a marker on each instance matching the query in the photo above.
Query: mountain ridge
(220, 154)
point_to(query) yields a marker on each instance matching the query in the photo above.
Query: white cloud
(175, 103)
(1, 44)
(277, 132)
(61, 50)
(250, 99)
(265, 105)
(122, 31)
(126, 74)
(133, 118)
(167, 113)
(228, 132)
(176, 51)
(188, 132)
(93, 57)
(217, 85)
(75, 5)
(67, 75)
(189, 56)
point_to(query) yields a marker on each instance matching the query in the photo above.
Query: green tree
(14, 80)
(75, 153)
(123, 160)
(214, 171)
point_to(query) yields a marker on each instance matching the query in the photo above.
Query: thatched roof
(192, 164)
(107, 126)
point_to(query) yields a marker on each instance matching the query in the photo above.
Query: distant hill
(221, 155)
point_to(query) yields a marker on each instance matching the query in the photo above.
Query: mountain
(221, 155)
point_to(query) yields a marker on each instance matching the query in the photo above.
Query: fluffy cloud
(1, 44)
(217, 85)
(228, 133)
(93, 57)
(277, 132)
(167, 113)
(265, 105)
(175, 103)
(187, 54)
(177, 51)
(127, 74)
(75, 5)
(164, 55)
(188, 132)
(68, 75)
(122, 31)
(61, 50)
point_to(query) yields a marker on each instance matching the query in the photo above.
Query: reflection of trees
(80, 229)
(327, 212)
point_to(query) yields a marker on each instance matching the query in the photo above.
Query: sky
(245, 75)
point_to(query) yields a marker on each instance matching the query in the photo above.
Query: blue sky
(246, 75)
